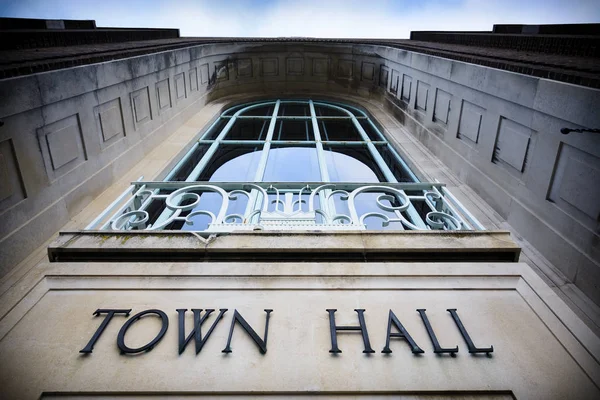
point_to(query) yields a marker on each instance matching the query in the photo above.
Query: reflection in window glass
(232, 163)
(248, 129)
(294, 110)
(344, 168)
(354, 156)
(292, 164)
(401, 173)
(366, 202)
(216, 129)
(209, 201)
(370, 130)
(324, 111)
(339, 130)
(293, 130)
(260, 111)
(287, 160)
(183, 173)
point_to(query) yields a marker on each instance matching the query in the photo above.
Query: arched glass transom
(293, 140)
(290, 165)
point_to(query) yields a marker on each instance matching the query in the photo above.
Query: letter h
(362, 327)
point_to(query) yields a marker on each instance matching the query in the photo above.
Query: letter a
(392, 319)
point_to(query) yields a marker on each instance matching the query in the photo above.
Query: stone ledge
(433, 246)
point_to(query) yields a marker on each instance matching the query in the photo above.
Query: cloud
(313, 18)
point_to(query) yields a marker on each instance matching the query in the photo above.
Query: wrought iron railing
(214, 207)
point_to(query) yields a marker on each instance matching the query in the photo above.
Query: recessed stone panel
(62, 146)
(140, 104)
(345, 69)
(395, 82)
(320, 66)
(6, 186)
(422, 95)
(193, 79)
(295, 66)
(384, 76)
(269, 66)
(406, 87)
(11, 182)
(469, 123)
(503, 305)
(221, 71)
(163, 95)
(368, 71)
(180, 92)
(512, 144)
(576, 182)
(441, 109)
(204, 74)
(109, 120)
(244, 68)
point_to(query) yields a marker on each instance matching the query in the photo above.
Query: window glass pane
(233, 110)
(400, 173)
(286, 129)
(324, 111)
(370, 130)
(216, 129)
(261, 111)
(209, 201)
(248, 129)
(355, 111)
(292, 109)
(232, 163)
(292, 164)
(345, 168)
(367, 203)
(351, 164)
(338, 130)
(184, 171)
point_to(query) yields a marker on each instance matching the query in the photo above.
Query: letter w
(196, 332)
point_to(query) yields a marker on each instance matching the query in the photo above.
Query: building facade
(187, 217)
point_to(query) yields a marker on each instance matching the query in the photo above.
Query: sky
(308, 18)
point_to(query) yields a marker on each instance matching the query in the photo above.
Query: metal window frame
(256, 195)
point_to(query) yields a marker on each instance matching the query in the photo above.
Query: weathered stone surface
(365, 246)
(503, 305)
(272, 69)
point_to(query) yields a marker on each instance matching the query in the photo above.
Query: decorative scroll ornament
(225, 207)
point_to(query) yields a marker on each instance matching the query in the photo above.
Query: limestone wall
(540, 349)
(69, 134)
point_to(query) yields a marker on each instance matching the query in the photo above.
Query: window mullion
(387, 172)
(328, 209)
(193, 176)
(262, 165)
(320, 151)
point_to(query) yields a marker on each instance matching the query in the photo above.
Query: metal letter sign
(196, 332)
(333, 328)
(403, 334)
(200, 319)
(110, 313)
(262, 344)
(154, 342)
(437, 349)
(465, 335)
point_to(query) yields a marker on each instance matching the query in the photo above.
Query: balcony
(213, 207)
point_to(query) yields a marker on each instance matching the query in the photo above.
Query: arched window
(293, 140)
(289, 165)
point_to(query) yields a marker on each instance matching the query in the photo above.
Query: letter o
(149, 346)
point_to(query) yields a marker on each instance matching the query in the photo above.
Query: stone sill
(361, 246)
